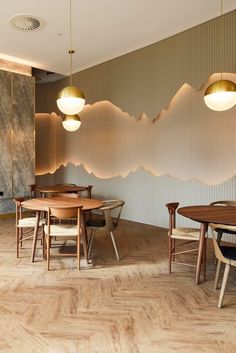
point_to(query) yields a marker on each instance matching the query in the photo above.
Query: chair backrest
(65, 194)
(18, 201)
(63, 213)
(172, 207)
(222, 227)
(223, 203)
(65, 184)
(112, 211)
(218, 253)
(32, 191)
(87, 192)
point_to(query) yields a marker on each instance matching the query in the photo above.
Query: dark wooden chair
(183, 235)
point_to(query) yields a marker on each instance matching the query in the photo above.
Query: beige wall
(177, 139)
(146, 80)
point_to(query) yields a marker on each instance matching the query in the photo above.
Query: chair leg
(20, 237)
(91, 242)
(17, 241)
(217, 274)
(204, 259)
(173, 249)
(223, 286)
(170, 254)
(114, 245)
(78, 251)
(43, 243)
(84, 237)
(44, 247)
(48, 242)
(35, 236)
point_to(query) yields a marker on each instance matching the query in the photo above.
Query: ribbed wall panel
(147, 81)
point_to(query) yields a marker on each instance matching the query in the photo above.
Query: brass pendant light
(221, 94)
(70, 100)
(71, 122)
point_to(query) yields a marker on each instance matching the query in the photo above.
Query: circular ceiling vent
(27, 23)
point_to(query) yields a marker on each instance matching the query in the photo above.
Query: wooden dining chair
(184, 236)
(33, 190)
(60, 230)
(221, 229)
(73, 220)
(111, 212)
(227, 255)
(25, 227)
(87, 192)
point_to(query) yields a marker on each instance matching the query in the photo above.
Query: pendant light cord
(71, 51)
(221, 37)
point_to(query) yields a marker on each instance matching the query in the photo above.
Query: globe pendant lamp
(71, 122)
(70, 100)
(221, 94)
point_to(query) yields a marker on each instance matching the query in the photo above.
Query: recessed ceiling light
(27, 23)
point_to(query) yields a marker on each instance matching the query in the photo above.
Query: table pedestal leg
(203, 231)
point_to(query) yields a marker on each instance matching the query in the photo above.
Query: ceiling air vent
(27, 23)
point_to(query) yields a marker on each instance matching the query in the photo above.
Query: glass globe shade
(71, 122)
(70, 100)
(221, 95)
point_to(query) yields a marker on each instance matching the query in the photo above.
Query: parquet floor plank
(130, 306)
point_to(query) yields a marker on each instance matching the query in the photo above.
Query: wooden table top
(42, 204)
(60, 188)
(210, 214)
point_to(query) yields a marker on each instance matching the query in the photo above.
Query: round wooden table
(205, 215)
(42, 204)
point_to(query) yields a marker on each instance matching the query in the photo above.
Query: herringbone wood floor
(131, 306)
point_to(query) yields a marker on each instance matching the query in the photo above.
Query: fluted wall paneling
(165, 80)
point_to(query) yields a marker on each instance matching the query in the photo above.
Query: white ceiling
(101, 29)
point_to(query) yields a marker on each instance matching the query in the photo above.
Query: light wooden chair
(111, 211)
(220, 229)
(83, 238)
(25, 227)
(86, 193)
(67, 231)
(227, 255)
(184, 235)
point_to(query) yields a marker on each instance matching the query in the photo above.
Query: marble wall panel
(23, 134)
(6, 134)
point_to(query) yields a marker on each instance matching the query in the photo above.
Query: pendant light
(70, 100)
(221, 94)
(71, 122)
